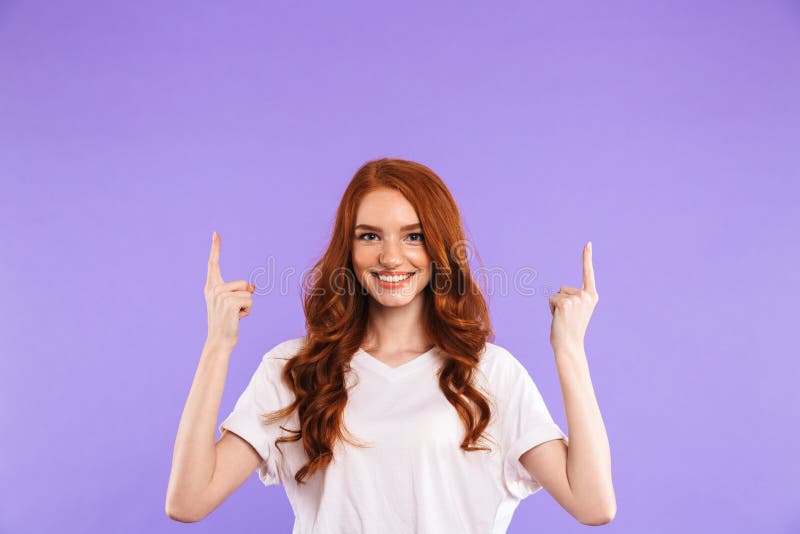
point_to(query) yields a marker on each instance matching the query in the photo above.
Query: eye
(419, 235)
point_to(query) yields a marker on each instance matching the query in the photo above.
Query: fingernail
(590, 246)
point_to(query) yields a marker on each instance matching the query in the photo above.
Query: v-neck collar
(394, 373)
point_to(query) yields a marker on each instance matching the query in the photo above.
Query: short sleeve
(261, 396)
(525, 422)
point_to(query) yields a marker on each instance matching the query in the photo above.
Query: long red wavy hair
(456, 316)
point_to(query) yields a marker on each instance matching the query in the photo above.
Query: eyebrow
(374, 228)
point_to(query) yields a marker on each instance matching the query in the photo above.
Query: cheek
(421, 259)
(361, 260)
(362, 266)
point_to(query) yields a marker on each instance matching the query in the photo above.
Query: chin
(393, 301)
(385, 304)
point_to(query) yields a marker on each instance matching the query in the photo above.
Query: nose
(390, 255)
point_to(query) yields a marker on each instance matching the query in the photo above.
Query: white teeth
(393, 278)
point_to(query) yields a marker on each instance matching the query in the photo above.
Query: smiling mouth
(406, 277)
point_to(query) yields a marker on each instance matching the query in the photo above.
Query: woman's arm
(577, 475)
(193, 456)
(588, 454)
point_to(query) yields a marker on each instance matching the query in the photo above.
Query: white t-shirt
(414, 478)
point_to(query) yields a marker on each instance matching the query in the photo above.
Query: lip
(393, 273)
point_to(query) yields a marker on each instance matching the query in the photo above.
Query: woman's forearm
(194, 456)
(589, 454)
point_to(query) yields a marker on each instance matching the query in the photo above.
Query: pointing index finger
(588, 268)
(214, 275)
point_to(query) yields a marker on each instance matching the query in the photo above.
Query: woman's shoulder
(496, 359)
(285, 350)
(494, 353)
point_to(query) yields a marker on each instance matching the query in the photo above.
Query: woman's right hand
(226, 302)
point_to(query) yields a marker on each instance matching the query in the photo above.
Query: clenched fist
(226, 302)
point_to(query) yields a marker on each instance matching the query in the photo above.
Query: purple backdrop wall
(665, 134)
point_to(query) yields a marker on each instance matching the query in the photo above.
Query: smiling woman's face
(388, 238)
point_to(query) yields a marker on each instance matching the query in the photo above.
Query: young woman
(395, 413)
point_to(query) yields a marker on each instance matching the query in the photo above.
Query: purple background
(668, 135)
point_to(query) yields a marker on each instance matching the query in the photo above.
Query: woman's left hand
(572, 308)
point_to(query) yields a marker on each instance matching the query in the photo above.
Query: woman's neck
(396, 328)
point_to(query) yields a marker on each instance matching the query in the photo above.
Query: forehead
(386, 208)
